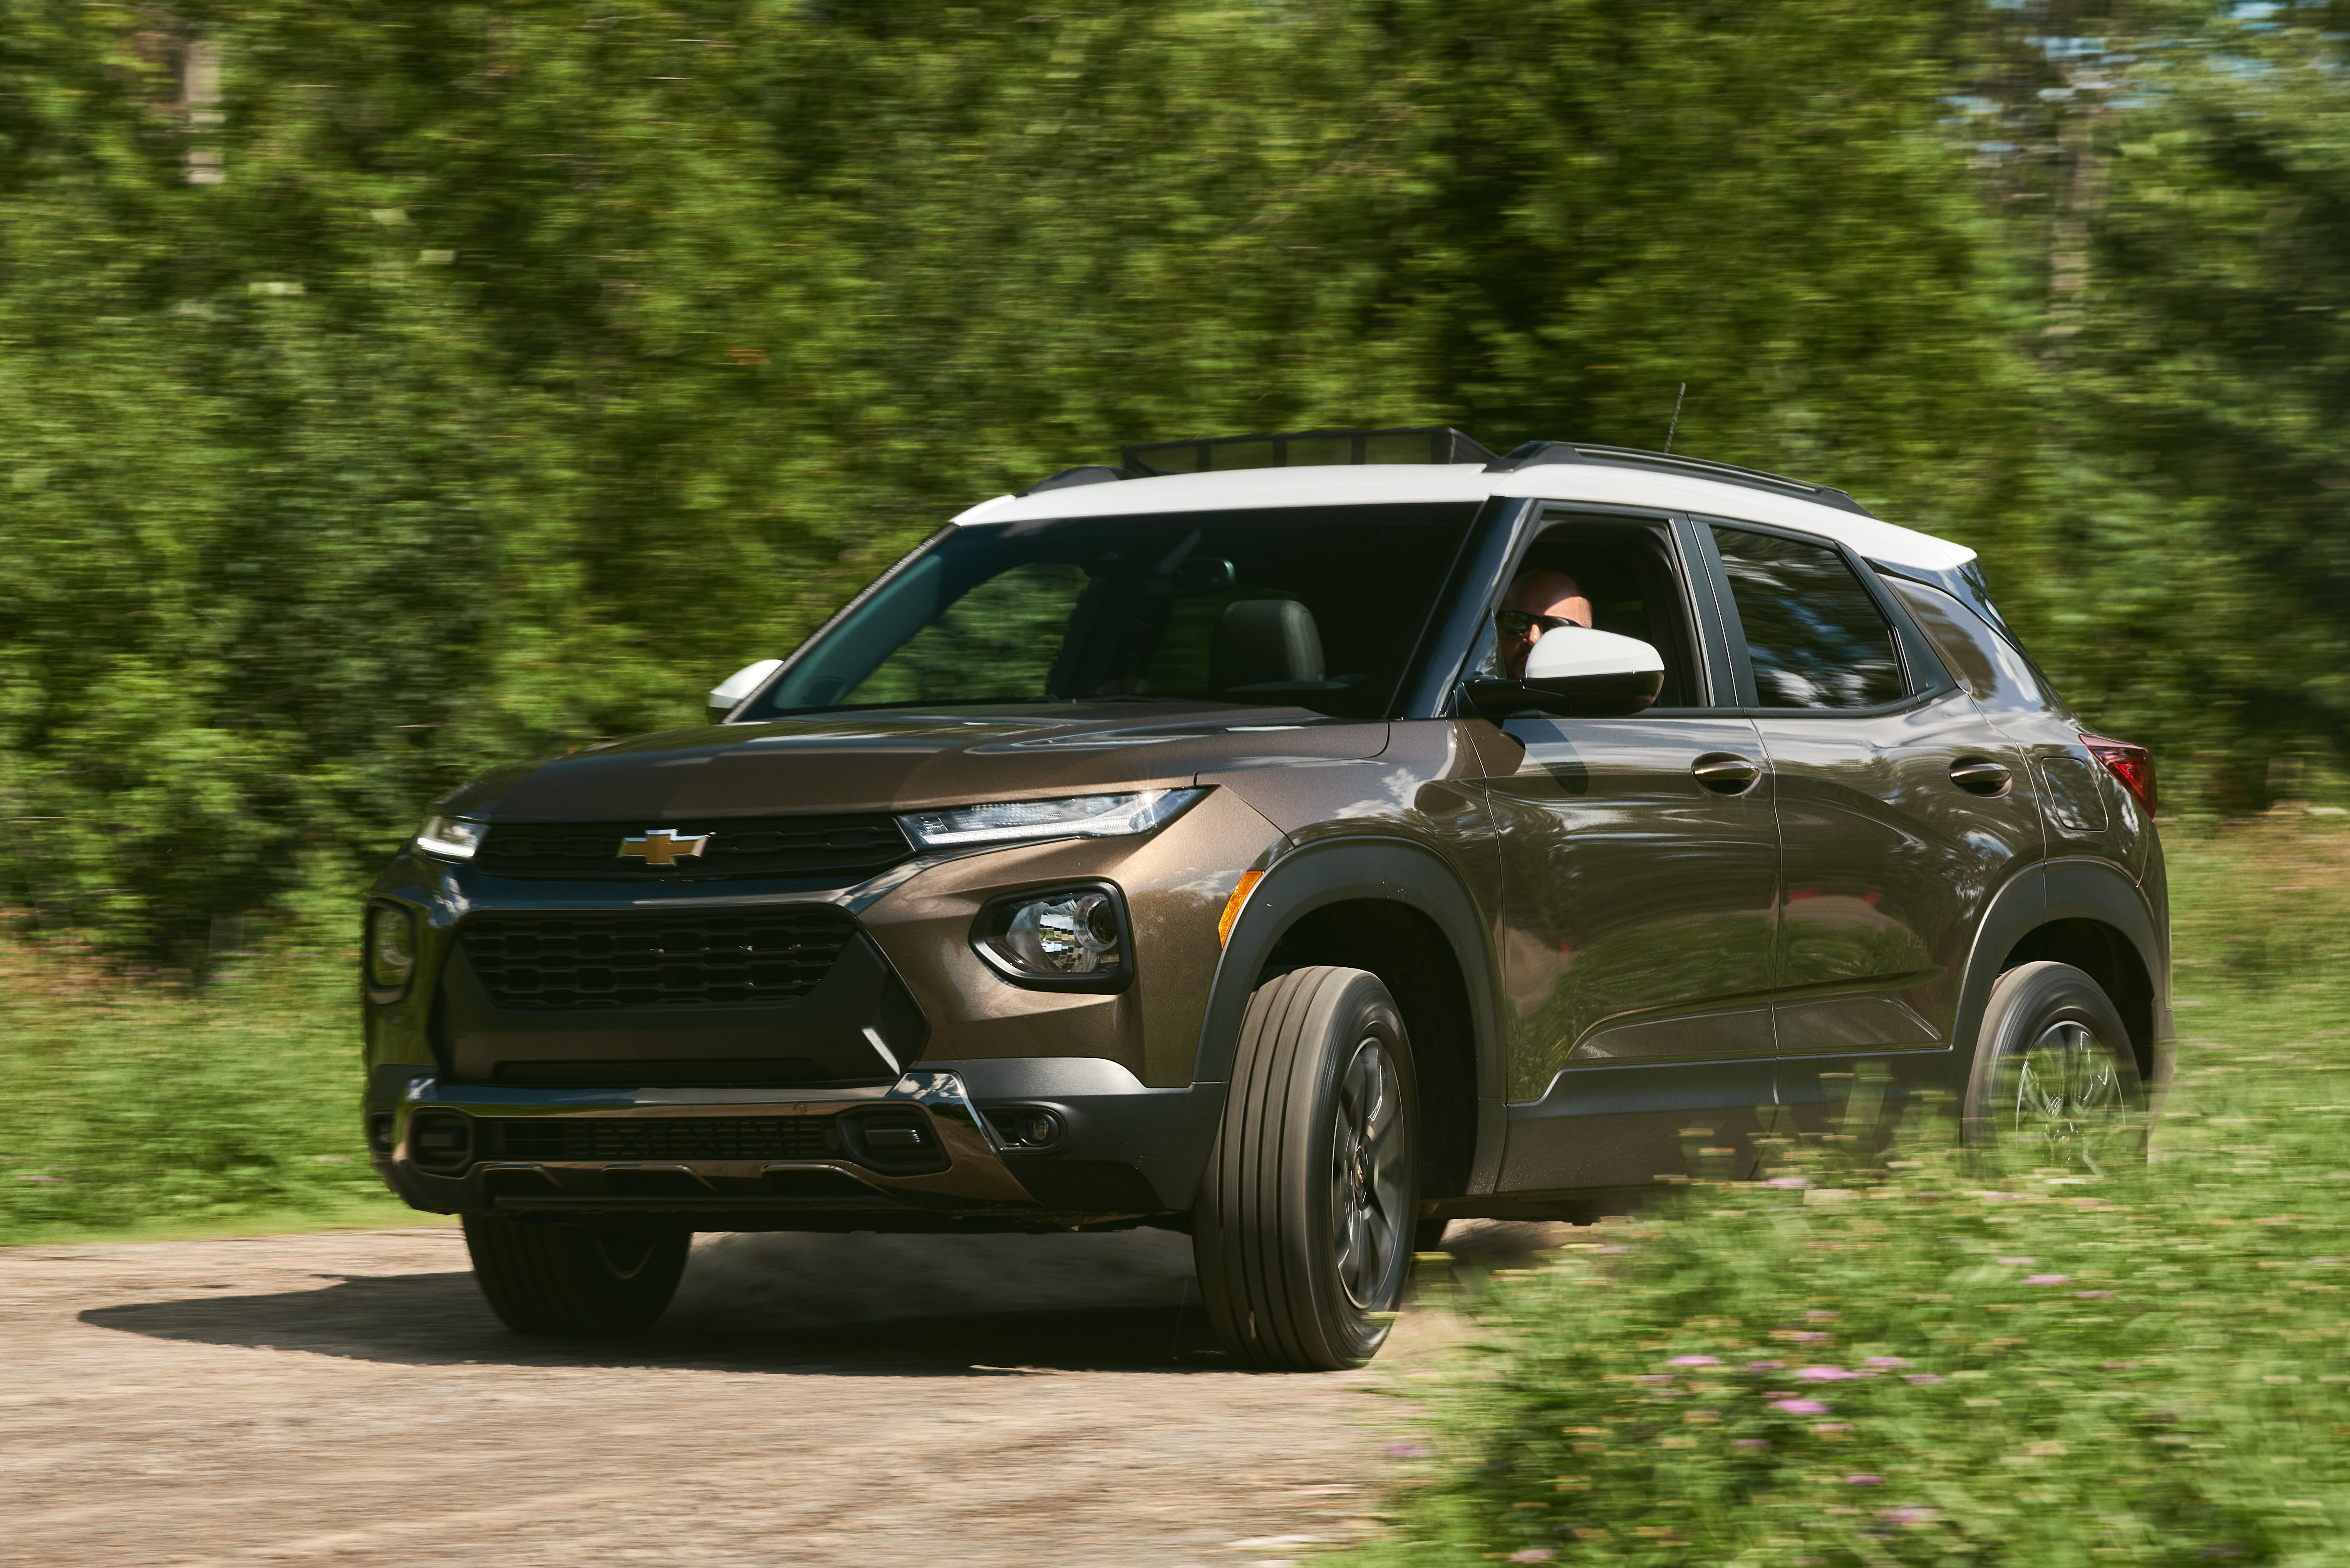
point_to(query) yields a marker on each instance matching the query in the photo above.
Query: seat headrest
(1265, 642)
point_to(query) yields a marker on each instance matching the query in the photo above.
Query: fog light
(390, 950)
(441, 1140)
(1024, 1126)
(1073, 935)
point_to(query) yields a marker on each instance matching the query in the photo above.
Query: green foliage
(137, 1104)
(2016, 1367)
(526, 368)
(1924, 1371)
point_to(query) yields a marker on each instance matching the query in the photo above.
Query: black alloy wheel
(574, 1281)
(2055, 1081)
(1307, 1216)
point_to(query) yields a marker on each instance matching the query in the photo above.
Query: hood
(903, 760)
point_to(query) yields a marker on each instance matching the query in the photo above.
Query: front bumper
(712, 1158)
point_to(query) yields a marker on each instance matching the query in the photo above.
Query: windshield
(1319, 608)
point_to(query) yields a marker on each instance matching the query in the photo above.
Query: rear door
(1901, 811)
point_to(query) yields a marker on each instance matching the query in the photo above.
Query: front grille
(658, 1137)
(841, 849)
(654, 958)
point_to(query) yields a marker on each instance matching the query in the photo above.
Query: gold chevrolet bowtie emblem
(662, 847)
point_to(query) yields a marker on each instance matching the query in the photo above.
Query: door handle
(1980, 775)
(1725, 773)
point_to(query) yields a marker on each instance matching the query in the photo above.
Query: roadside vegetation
(391, 392)
(140, 1106)
(1918, 1360)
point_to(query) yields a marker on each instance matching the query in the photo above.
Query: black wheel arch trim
(2069, 890)
(1374, 868)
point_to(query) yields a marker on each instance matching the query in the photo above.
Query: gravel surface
(345, 1396)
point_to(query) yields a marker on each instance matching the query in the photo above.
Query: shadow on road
(868, 1307)
(847, 1305)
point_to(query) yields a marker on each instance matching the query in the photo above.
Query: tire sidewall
(2024, 1003)
(1343, 1018)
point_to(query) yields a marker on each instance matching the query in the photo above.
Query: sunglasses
(1517, 623)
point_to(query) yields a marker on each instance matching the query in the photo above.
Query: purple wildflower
(1888, 1362)
(1694, 1361)
(1810, 1337)
(1823, 1374)
(1765, 1366)
(2049, 1280)
(1864, 1481)
(1912, 1515)
(1800, 1406)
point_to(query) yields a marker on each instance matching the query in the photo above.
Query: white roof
(1360, 484)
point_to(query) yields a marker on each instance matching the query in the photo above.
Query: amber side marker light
(2134, 765)
(1249, 879)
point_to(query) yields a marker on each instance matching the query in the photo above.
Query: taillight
(2134, 765)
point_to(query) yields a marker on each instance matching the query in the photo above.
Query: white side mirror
(1575, 650)
(739, 685)
(1576, 672)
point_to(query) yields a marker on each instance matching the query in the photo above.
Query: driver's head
(1540, 595)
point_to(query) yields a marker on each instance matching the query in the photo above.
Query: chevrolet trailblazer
(1295, 840)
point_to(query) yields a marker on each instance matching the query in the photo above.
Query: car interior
(1625, 570)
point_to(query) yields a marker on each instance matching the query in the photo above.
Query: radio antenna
(1677, 415)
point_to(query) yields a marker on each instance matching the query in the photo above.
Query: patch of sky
(2057, 49)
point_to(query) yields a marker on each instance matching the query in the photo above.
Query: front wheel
(1305, 1224)
(2055, 1083)
(575, 1280)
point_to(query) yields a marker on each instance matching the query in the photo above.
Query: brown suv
(1296, 840)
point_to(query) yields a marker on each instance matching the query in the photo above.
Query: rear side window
(1814, 636)
(1994, 674)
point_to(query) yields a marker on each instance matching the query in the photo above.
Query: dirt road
(346, 1398)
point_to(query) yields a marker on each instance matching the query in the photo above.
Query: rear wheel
(2055, 1081)
(1305, 1225)
(575, 1280)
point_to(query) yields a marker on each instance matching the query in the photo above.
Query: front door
(1901, 811)
(1639, 869)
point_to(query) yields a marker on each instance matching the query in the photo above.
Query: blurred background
(390, 388)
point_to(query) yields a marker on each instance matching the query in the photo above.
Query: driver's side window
(1625, 578)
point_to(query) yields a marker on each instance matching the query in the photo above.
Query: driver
(1542, 599)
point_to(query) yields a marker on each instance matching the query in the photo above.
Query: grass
(1929, 1362)
(144, 1108)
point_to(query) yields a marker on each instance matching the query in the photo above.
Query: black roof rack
(1301, 449)
(1288, 448)
(1536, 453)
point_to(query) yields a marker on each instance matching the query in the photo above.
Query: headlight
(391, 948)
(1073, 939)
(1071, 816)
(450, 837)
